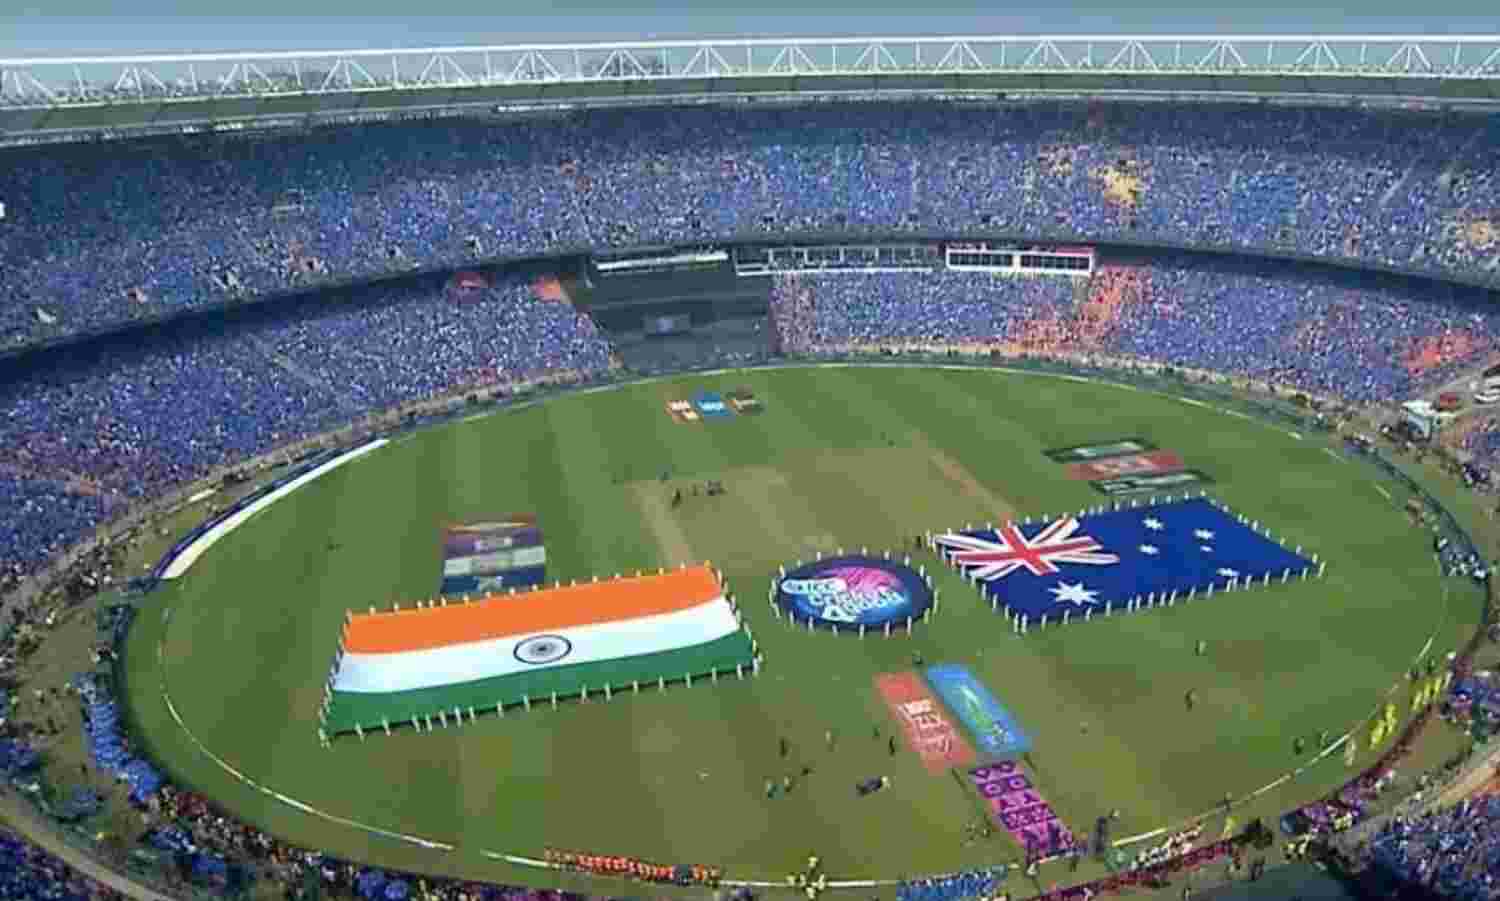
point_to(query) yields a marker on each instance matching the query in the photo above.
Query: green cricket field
(840, 457)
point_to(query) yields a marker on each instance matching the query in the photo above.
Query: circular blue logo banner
(854, 591)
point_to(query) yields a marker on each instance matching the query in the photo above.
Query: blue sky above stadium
(50, 27)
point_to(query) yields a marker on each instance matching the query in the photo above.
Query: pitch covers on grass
(408, 665)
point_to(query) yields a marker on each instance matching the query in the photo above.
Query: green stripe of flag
(368, 710)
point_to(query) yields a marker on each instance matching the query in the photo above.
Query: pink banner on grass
(1015, 804)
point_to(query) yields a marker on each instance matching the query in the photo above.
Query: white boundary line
(1285, 777)
(521, 861)
(267, 790)
(190, 554)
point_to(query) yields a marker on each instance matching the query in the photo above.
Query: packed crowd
(955, 887)
(27, 873)
(99, 235)
(1350, 334)
(1454, 852)
(44, 516)
(106, 741)
(84, 433)
(854, 309)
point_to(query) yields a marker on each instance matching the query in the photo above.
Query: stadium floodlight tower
(88, 97)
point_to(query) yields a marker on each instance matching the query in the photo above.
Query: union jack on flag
(1011, 550)
(1150, 552)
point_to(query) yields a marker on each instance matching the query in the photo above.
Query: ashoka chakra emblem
(543, 649)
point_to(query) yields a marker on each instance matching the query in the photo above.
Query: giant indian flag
(505, 649)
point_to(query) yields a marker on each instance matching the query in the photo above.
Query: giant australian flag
(1090, 560)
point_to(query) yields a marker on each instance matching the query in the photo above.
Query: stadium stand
(106, 424)
(27, 873)
(98, 236)
(1353, 335)
(1455, 853)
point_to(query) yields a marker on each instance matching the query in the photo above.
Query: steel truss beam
(72, 81)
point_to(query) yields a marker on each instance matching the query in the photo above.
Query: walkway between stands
(16, 814)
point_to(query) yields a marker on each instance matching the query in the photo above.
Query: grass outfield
(842, 456)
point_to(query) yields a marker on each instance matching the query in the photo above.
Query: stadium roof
(71, 98)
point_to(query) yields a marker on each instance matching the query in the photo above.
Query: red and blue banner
(1150, 463)
(1077, 563)
(927, 731)
(491, 556)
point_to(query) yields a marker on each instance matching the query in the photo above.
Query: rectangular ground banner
(1015, 805)
(927, 730)
(1080, 453)
(1100, 563)
(481, 538)
(527, 577)
(1128, 465)
(711, 406)
(682, 411)
(496, 561)
(744, 401)
(405, 665)
(488, 556)
(1120, 486)
(994, 731)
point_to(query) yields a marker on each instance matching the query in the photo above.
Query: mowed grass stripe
(624, 776)
(762, 506)
(1007, 661)
(783, 510)
(431, 483)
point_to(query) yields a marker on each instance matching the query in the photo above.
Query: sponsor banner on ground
(711, 406)
(854, 590)
(404, 664)
(466, 544)
(927, 730)
(526, 577)
(1141, 484)
(511, 521)
(994, 731)
(744, 401)
(1128, 464)
(1016, 806)
(1103, 561)
(682, 411)
(495, 561)
(1079, 453)
(492, 555)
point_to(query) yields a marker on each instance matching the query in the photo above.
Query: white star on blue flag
(1073, 594)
